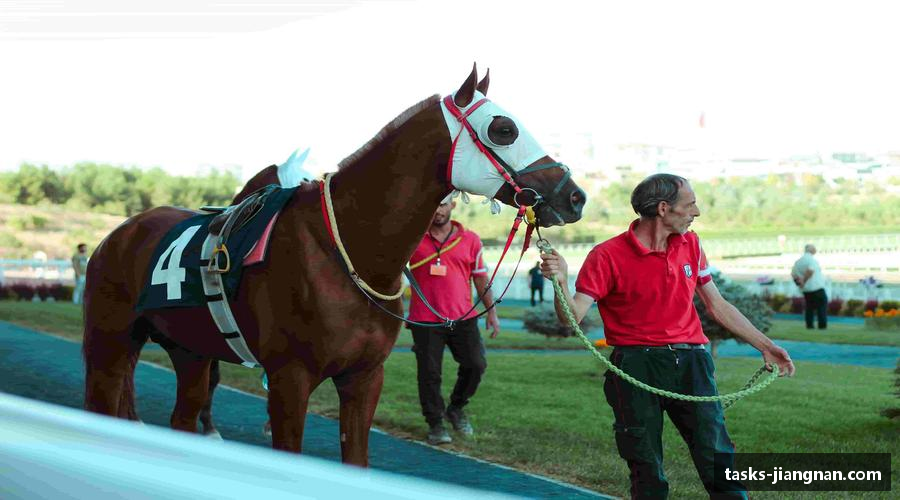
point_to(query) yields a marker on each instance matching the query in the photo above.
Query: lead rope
(727, 399)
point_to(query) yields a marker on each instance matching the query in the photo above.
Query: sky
(196, 85)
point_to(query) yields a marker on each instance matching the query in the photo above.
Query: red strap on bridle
(463, 120)
(509, 240)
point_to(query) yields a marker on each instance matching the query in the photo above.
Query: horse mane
(388, 129)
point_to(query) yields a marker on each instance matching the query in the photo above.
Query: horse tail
(127, 407)
(110, 348)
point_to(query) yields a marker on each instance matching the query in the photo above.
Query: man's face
(678, 217)
(82, 249)
(442, 214)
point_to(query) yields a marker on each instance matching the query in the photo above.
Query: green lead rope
(726, 399)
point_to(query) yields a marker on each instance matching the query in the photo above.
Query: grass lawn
(837, 333)
(509, 339)
(545, 413)
(64, 319)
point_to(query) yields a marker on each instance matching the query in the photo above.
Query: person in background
(537, 282)
(445, 264)
(79, 264)
(808, 276)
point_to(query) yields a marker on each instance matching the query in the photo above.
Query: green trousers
(639, 421)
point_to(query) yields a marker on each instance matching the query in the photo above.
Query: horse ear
(483, 84)
(466, 92)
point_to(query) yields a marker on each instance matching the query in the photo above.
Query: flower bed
(879, 319)
(42, 291)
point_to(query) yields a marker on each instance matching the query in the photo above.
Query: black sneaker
(437, 434)
(460, 422)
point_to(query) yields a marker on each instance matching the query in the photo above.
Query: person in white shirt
(808, 276)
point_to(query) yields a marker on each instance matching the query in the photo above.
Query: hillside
(53, 229)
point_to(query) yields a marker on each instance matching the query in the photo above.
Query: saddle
(230, 219)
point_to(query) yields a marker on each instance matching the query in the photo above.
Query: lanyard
(439, 248)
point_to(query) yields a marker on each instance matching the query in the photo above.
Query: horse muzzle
(564, 208)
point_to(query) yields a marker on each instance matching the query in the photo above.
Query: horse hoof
(214, 435)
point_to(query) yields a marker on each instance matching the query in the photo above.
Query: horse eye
(503, 131)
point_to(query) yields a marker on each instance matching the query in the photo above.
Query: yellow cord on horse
(329, 208)
(727, 399)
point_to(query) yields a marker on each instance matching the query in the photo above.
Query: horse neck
(385, 200)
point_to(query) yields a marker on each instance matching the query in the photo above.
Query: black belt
(672, 347)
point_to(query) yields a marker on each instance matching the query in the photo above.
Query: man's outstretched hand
(777, 355)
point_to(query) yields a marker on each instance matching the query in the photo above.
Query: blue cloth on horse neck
(174, 271)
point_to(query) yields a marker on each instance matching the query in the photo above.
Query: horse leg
(289, 390)
(359, 393)
(192, 372)
(209, 428)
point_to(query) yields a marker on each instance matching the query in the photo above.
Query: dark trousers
(816, 302)
(639, 418)
(539, 291)
(464, 341)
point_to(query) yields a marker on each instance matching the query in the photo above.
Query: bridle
(510, 176)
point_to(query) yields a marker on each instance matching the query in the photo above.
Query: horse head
(495, 156)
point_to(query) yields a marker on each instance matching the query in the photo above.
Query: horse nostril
(577, 198)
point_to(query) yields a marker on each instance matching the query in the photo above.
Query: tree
(32, 185)
(752, 306)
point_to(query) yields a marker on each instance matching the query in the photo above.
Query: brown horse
(303, 317)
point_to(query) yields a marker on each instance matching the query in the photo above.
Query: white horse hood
(472, 171)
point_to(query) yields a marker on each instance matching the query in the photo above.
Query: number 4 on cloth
(173, 275)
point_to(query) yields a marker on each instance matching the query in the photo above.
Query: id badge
(438, 270)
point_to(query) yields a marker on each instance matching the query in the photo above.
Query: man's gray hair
(658, 187)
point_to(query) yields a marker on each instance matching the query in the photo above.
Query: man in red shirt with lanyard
(643, 282)
(444, 264)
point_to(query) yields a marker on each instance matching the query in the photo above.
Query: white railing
(735, 247)
(36, 269)
(49, 451)
(861, 243)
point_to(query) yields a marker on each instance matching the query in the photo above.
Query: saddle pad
(174, 270)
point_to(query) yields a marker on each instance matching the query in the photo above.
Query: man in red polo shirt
(446, 262)
(643, 282)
